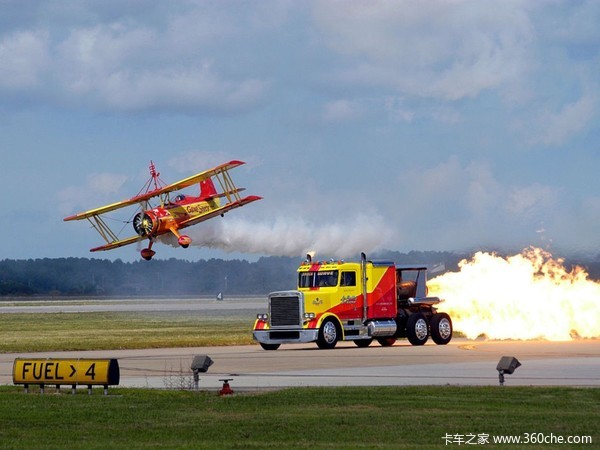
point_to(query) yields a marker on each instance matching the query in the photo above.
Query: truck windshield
(318, 279)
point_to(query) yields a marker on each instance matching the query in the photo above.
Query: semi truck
(353, 301)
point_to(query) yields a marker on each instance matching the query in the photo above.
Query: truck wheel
(387, 341)
(328, 334)
(269, 346)
(417, 330)
(441, 328)
(362, 343)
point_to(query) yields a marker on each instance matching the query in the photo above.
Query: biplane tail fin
(207, 189)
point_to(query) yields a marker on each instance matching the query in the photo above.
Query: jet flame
(526, 296)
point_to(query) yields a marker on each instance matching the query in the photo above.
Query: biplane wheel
(184, 241)
(147, 254)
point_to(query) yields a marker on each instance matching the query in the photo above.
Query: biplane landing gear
(147, 253)
(184, 241)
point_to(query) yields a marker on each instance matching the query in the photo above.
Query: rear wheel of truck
(269, 346)
(417, 330)
(362, 343)
(441, 328)
(386, 341)
(328, 334)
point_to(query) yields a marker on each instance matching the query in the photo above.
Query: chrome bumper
(279, 336)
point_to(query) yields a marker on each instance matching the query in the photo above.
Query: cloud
(197, 161)
(530, 201)
(111, 65)
(125, 65)
(397, 110)
(554, 128)
(438, 49)
(342, 111)
(98, 189)
(468, 206)
(193, 89)
(24, 57)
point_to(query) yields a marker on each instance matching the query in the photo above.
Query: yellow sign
(66, 371)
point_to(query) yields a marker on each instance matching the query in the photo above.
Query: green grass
(376, 417)
(117, 330)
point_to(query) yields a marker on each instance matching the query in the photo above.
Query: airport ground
(462, 362)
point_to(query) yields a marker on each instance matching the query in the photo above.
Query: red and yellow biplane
(171, 215)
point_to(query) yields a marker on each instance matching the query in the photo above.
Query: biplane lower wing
(219, 211)
(117, 244)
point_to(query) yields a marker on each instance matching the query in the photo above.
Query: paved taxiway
(462, 362)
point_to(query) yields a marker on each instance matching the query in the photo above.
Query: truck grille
(285, 310)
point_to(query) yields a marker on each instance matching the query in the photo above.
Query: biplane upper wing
(186, 182)
(102, 210)
(219, 211)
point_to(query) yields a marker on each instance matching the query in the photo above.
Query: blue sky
(404, 125)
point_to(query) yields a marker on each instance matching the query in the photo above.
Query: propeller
(143, 224)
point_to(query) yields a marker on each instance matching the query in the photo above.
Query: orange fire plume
(526, 296)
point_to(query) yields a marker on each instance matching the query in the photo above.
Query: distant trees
(87, 277)
(81, 276)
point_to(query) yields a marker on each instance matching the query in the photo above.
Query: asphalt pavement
(461, 362)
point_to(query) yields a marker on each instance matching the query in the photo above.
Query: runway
(201, 305)
(462, 362)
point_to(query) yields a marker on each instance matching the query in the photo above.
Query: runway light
(506, 366)
(201, 363)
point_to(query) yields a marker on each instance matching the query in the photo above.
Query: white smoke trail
(290, 237)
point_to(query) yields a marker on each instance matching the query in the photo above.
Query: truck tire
(329, 334)
(362, 343)
(386, 341)
(441, 328)
(269, 346)
(417, 330)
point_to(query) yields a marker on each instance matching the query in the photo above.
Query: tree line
(101, 277)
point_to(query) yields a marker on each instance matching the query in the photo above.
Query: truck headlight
(263, 317)
(309, 315)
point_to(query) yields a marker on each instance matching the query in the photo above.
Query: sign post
(60, 371)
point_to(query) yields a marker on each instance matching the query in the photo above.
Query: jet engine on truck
(353, 301)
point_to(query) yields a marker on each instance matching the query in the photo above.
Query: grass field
(340, 418)
(104, 331)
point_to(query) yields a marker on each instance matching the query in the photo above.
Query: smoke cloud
(290, 237)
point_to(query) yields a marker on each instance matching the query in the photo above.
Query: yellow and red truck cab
(358, 301)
